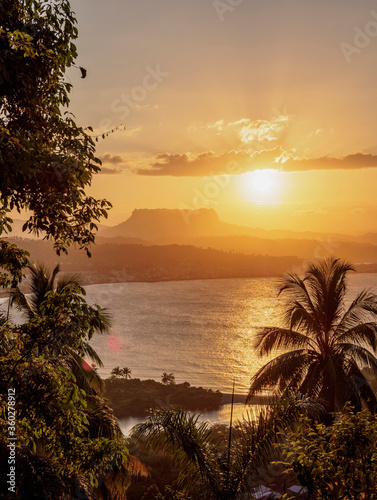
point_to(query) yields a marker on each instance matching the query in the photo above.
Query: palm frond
(89, 351)
(39, 285)
(70, 282)
(185, 434)
(363, 392)
(327, 284)
(51, 276)
(270, 338)
(101, 319)
(297, 317)
(362, 309)
(21, 302)
(364, 334)
(40, 476)
(86, 379)
(283, 372)
(295, 288)
(102, 421)
(359, 354)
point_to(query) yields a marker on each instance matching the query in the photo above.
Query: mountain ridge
(166, 226)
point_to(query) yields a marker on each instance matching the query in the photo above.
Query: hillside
(166, 226)
(112, 262)
(160, 224)
(159, 245)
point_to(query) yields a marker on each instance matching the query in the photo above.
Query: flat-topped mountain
(179, 226)
(162, 224)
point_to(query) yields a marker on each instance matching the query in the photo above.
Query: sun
(261, 185)
(263, 181)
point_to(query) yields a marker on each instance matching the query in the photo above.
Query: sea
(202, 331)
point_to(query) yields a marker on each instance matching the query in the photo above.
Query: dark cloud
(209, 164)
(110, 171)
(114, 160)
(348, 162)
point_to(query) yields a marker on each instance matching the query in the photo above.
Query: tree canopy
(47, 160)
(326, 342)
(69, 442)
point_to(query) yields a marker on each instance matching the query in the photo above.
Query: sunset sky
(211, 91)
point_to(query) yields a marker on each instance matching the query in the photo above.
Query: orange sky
(208, 92)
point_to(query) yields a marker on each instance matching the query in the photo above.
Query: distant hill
(164, 224)
(154, 245)
(167, 226)
(204, 229)
(114, 262)
(301, 248)
(170, 226)
(122, 240)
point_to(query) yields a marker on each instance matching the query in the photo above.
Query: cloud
(113, 159)
(110, 171)
(208, 164)
(349, 162)
(249, 131)
(262, 130)
(238, 162)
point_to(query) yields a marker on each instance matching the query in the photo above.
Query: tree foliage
(69, 443)
(47, 160)
(66, 432)
(120, 373)
(168, 378)
(338, 461)
(208, 468)
(326, 343)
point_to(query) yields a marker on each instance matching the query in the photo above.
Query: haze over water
(199, 330)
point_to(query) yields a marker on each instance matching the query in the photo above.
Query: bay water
(202, 331)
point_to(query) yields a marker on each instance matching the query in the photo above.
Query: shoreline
(262, 399)
(211, 278)
(4, 294)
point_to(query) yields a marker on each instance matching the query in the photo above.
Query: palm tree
(101, 422)
(209, 469)
(326, 343)
(116, 372)
(120, 373)
(126, 373)
(43, 282)
(168, 378)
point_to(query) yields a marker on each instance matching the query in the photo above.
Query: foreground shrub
(337, 461)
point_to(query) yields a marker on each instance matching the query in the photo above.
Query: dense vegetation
(46, 161)
(111, 262)
(135, 397)
(325, 342)
(66, 441)
(58, 437)
(337, 461)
